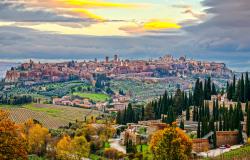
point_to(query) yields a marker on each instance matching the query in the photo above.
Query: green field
(96, 97)
(50, 111)
(242, 153)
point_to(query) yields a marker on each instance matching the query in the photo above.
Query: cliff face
(12, 76)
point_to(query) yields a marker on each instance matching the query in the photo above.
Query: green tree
(119, 117)
(142, 113)
(182, 125)
(188, 113)
(246, 91)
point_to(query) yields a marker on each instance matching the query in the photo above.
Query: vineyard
(51, 116)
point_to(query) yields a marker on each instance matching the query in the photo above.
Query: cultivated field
(51, 116)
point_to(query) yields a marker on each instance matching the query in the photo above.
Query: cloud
(188, 9)
(56, 10)
(223, 36)
(196, 15)
(227, 29)
(149, 26)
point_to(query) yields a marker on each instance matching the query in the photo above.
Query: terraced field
(51, 116)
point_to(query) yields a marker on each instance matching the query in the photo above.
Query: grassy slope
(97, 97)
(239, 154)
(50, 111)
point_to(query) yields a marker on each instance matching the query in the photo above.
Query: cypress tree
(182, 124)
(130, 114)
(214, 138)
(214, 92)
(142, 113)
(246, 92)
(119, 117)
(199, 130)
(240, 137)
(125, 116)
(209, 89)
(194, 113)
(234, 89)
(206, 90)
(242, 90)
(231, 121)
(188, 113)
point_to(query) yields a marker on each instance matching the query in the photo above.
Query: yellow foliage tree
(37, 138)
(63, 148)
(12, 145)
(80, 147)
(170, 144)
(68, 149)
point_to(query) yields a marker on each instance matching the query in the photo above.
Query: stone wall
(226, 137)
(200, 145)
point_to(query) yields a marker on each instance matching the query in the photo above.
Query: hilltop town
(121, 106)
(167, 66)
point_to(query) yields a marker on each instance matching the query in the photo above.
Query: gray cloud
(10, 11)
(223, 37)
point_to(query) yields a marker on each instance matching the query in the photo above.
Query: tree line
(239, 90)
(15, 100)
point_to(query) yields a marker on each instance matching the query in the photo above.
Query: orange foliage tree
(170, 144)
(12, 144)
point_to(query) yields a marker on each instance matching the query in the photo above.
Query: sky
(83, 29)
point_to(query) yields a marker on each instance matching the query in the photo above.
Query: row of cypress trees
(169, 105)
(239, 90)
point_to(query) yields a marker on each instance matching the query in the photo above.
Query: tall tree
(119, 117)
(242, 89)
(142, 113)
(234, 89)
(12, 144)
(182, 124)
(199, 130)
(214, 92)
(247, 88)
(188, 113)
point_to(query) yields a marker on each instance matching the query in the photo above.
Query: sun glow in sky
(119, 17)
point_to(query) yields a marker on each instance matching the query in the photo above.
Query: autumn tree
(80, 147)
(63, 148)
(72, 149)
(170, 144)
(12, 144)
(37, 138)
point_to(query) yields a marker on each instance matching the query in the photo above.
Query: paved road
(217, 152)
(114, 143)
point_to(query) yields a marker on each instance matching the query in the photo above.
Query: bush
(112, 153)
